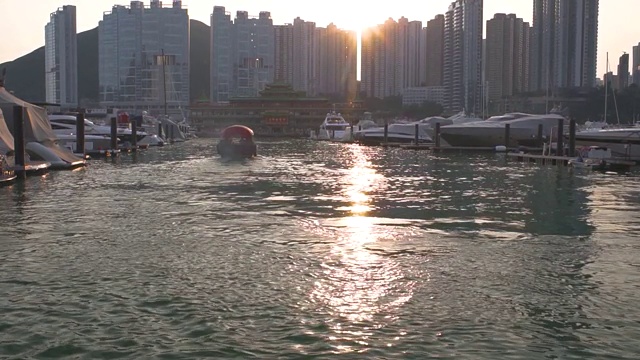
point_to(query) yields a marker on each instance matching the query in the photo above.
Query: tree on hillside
(424, 110)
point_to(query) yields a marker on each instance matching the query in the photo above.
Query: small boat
(7, 176)
(237, 143)
(598, 158)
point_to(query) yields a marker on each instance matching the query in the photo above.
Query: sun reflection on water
(361, 290)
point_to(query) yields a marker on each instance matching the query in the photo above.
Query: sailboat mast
(164, 81)
(606, 89)
(546, 98)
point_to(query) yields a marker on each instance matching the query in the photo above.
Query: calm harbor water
(318, 250)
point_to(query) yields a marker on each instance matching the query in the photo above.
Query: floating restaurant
(279, 110)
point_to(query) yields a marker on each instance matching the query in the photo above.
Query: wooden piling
(114, 134)
(386, 133)
(160, 130)
(166, 132)
(572, 138)
(437, 135)
(171, 132)
(18, 142)
(559, 142)
(80, 148)
(540, 134)
(134, 134)
(417, 137)
(507, 134)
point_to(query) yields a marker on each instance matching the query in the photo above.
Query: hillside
(25, 75)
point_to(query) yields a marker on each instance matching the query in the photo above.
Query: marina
(277, 180)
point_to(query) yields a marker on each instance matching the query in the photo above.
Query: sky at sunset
(618, 29)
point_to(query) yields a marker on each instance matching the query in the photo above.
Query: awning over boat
(237, 131)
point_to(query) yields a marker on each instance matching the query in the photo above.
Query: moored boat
(333, 128)
(7, 175)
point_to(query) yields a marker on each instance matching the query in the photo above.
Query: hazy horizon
(617, 31)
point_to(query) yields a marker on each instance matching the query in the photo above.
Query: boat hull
(489, 137)
(624, 143)
(7, 179)
(379, 140)
(329, 135)
(618, 149)
(236, 151)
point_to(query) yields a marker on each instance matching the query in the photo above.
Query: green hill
(25, 75)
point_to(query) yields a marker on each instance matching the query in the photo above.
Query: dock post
(80, 148)
(134, 135)
(507, 135)
(417, 138)
(351, 132)
(540, 133)
(114, 134)
(572, 138)
(160, 130)
(18, 141)
(437, 135)
(559, 143)
(386, 133)
(166, 132)
(171, 132)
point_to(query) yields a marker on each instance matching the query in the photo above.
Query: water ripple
(319, 250)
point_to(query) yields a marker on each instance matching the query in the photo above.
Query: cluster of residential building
(144, 56)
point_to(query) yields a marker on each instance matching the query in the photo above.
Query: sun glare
(358, 285)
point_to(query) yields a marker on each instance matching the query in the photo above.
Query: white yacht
(623, 142)
(396, 133)
(491, 132)
(91, 142)
(66, 125)
(461, 118)
(365, 123)
(334, 127)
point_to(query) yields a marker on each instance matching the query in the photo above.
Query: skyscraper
(463, 56)
(435, 51)
(336, 60)
(635, 69)
(61, 58)
(506, 64)
(411, 62)
(284, 53)
(390, 57)
(221, 48)
(564, 44)
(372, 55)
(304, 58)
(242, 54)
(623, 71)
(134, 74)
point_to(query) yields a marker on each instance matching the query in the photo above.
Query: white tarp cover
(6, 139)
(36, 124)
(410, 129)
(177, 133)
